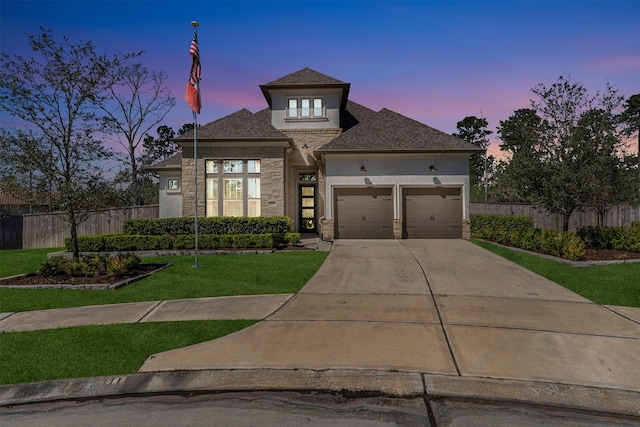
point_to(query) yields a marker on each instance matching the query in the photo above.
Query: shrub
(90, 266)
(572, 246)
(77, 268)
(208, 225)
(526, 238)
(628, 239)
(53, 266)
(551, 242)
(498, 227)
(600, 237)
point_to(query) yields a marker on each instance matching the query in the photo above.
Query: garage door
(432, 213)
(363, 213)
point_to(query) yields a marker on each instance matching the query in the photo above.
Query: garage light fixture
(432, 168)
(362, 169)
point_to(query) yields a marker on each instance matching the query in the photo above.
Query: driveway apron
(433, 306)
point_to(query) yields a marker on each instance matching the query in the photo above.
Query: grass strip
(219, 275)
(20, 261)
(89, 351)
(611, 284)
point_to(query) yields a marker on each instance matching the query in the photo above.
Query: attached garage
(363, 213)
(432, 213)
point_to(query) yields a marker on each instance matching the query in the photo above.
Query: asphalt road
(285, 409)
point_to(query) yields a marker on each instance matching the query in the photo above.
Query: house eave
(236, 142)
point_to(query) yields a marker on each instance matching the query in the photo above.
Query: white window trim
(173, 185)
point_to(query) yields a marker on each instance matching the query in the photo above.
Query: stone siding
(302, 159)
(271, 176)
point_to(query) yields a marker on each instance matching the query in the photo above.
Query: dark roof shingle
(170, 163)
(242, 124)
(388, 131)
(305, 77)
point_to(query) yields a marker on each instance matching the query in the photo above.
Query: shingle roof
(388, 131)
(242, 125)
(170, 163)
(306, 78)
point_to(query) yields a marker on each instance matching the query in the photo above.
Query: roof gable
(388, 131)
(306, 78)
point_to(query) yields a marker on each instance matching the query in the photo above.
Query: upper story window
(305, 108)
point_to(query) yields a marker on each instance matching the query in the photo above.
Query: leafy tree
(611, 180)
(566, 150)
(521, 136)
(54, 93)
(631, 119)
(474, 130)
(137, 100)
(20, 175)
(159, 148)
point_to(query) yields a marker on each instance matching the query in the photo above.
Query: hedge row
(124, 242)
(623, 238)
(519, 232)
(208, 225)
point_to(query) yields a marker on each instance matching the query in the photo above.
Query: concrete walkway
(393, 317)
(432, 306)
(220, 308)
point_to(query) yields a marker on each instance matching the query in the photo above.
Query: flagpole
(195, 25)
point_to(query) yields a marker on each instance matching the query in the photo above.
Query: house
(337, 168)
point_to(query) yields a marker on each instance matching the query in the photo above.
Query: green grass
(219, 275)
(613, 284)
(89, 351)
(19, 261)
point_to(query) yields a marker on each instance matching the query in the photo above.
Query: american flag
(192, 95)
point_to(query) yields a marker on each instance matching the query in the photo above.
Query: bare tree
(55, 92)
(137, 101)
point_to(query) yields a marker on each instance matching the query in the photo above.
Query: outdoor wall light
(432, 168)
(362, 169)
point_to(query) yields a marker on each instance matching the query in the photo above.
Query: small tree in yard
(55, 93)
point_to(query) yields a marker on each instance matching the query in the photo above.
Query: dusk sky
(435, 62)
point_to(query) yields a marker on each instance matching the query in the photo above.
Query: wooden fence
(11, 232)
(618, 215)
(48, 230)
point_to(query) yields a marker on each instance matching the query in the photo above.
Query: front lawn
(90, 351)
(19, 261)
(613, 284)
(219, 275)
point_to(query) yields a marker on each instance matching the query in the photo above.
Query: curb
(356, 383)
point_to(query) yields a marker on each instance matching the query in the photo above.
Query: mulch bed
(35, 279)
(609, 255)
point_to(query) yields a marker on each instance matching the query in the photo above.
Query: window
(234, 188)
(305, 108)
(173, 184)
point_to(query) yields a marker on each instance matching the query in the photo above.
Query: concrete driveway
(431, 306)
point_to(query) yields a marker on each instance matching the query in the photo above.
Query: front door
(307, 208)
